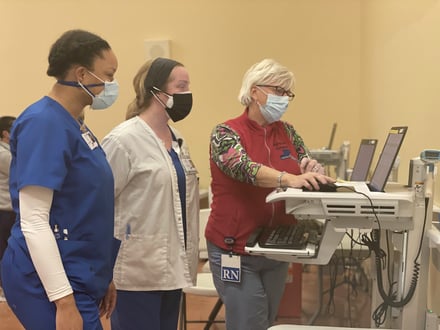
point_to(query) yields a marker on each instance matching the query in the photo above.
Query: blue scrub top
(181, 182)
(48, 150)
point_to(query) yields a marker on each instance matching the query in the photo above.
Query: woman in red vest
(250, 156)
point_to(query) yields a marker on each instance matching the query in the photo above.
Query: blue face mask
(274, 108)
(107, 97)
(104, 99)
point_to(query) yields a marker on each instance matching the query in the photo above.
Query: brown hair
(154, 73)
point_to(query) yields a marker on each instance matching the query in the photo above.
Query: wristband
(280, 176)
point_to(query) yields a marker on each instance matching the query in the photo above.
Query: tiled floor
(349, 306)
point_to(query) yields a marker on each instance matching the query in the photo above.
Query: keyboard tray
(284, 237)
(288, 236)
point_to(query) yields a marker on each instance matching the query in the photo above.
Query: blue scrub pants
(146, 310)
(7, 219)
(28, 300)
(253, 303)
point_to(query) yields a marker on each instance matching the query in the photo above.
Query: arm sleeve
(297, 141)
(119, 161)
(35, 203)
(230, 156)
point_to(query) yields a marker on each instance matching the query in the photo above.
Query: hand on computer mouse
(324, 187)
(316, 182)
(309, 180)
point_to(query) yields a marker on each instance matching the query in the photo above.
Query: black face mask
(179, 106)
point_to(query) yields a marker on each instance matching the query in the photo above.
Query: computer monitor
(363, 160)
(387, 158)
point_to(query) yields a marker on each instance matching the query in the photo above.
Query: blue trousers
(7, 219)
(253, 303)
(28, 300)
(146, 310)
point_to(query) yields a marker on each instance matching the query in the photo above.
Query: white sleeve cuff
(35, 204)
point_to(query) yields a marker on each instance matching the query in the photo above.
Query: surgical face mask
(274, 108)
(178, 105)
(106, 97)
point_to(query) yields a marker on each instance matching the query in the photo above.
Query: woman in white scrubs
(157, 200)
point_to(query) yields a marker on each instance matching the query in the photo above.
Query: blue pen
(56, 232)
(127, 231)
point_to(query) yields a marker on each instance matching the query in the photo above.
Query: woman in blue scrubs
(57, 269)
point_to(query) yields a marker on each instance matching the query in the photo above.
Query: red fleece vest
(237, 207)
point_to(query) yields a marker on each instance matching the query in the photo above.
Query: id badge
(90, 140)
(188, 165)
(231, 268)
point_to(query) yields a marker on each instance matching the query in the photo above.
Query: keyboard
(291, 236)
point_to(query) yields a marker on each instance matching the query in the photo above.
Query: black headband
(159, 72)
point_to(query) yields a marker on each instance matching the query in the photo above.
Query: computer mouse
(323, 187)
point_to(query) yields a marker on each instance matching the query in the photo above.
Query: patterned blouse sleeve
(230, 156)
(297, 141)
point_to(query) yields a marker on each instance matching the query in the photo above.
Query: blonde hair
(266, 72)
(143, 97)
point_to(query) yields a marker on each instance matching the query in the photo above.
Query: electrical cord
(348, 264)
(333, 271)
(373, 243)
(356, 241)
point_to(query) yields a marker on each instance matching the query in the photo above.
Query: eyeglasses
(280, 91)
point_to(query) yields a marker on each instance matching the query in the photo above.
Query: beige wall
(401, 72)
(216, 40)
(400, 82)
(367, 65)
